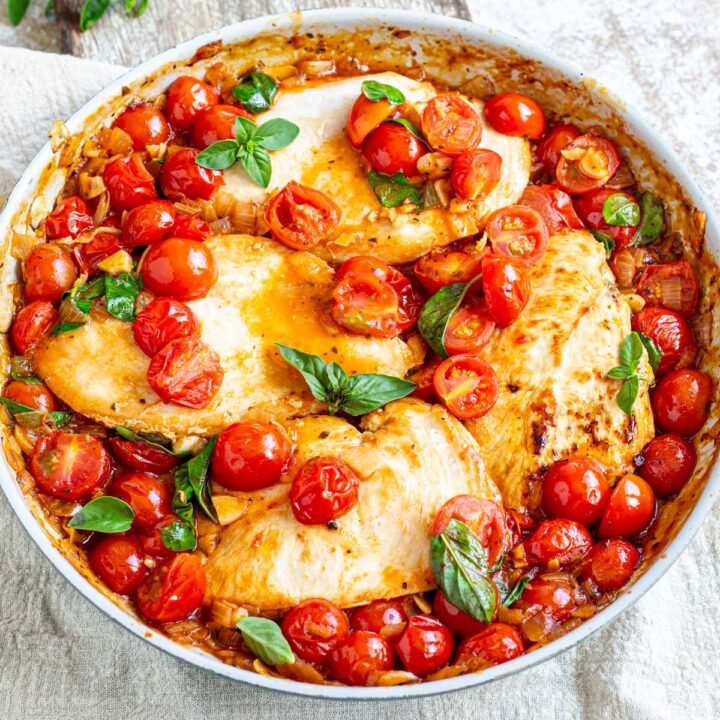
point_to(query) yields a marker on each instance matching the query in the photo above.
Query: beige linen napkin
(62, 658)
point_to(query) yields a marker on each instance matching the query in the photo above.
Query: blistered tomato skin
(181, 177)
(554, 205)
(148, 223)
(162, 320)
(118, 561)
(32, 323)
(151, 540)
(458, 621)
(70, 217)
(144, 124)
(555, 597)
(314, 628)
(49, 272)
(425, 645)
(671, 333)
(670, 285)
(548, 152)
(365, 116)
(681, 401)
(186, 97)
(668, 463)
(630, 509)
(558, 543)
(438, 269)
(589, 207)
(496, 643)
(475, 173)
(128, 182)
(90, 254)
(385, 617)
(359, 657)
(610, 564)
(142, 457)
(451, 124)
(391, 148)
(515, 114)
(37, 397)
(506, 287)
(214, 124)
(146, 494)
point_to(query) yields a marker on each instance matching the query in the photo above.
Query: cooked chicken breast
(411, 457)
(551, 363)
(323, 158)
(264, 294)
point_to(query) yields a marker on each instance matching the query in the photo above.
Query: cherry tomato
(215, 123)
(557, 543)
(518, 232)
(668, 463)
(89, 255)
(630, 509)
(610, 564)
(186, 372)
(141, 456)
(32, 323)
(148, 223)
(496, 643)
(118, 561)
(506, 288)
(144, 124)
(128, 182)
(516, 115)
(588, 162)
(575, 489)
(553, 205)
(314, 628)
(181, 177)
(669, 331)
(37, 397)
(681, 401)
(174, 590)
(438, 269)
(589, 207)
(520, 525)
(186, 97)
(146, 494)
(385, 617)
(391, 148)
(549, 149)
(191, 227)
(458, 621)
(162, 320)
(70, 217)
(181, 268)
(423, 378)
(475, 173)
(360, 656)
(425, 645)
(70, 466)
(467, 386)
(251, 455)
(451, 125)
(301, 217)
(555, 597)
(324, 489)
(151, 540)
(670, 285)
(469, 330)
(49, 272)
(365, 116)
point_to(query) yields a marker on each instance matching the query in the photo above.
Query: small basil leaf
(276, 134)
(606, 240)
(257, 165)
(312, 368)
(196, 470)
(128, 434)
(266, 641)
(17, 10)
(366, 392)
(631, 350)
(244, 129)
(89, 291)
(105, 514)
(179, 536)
(628, 394)
(16, 408)
(218, 156)
(92, 11)
(408, 126)
(120, 293)
(336, 377)
(518, 588)
(256, 91)
(394, 190)
(376, 91)
(27, 379)
(653, 351)
(620, 210)
(63, 327)
(619, 373)
(653, 219)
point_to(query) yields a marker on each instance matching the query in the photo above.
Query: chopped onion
(316, 68)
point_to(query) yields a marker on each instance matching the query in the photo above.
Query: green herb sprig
(28, 416)
(376, 91)
(256, 91)
(631, 351)
(653, 220)
(265, 640)
(105, 514)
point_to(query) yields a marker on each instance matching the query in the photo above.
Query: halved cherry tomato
(553, 596)
(438, 269)
(301, 217)
(557, 543)
(610, 564)
(49, 272)
(70, 466)
(141, 456)
(589, 207)
(181, 268)
(181, 177)
(151, 540)
(89, 255)
(191, 227)
(575, 489)
(669, 331)
(671, 285)
(385, 617)
(128, 182)
(365, 116)
(516, 115)
(425, 645)
(314, 628)
(144, 124)
(588, 162)
(118, 561)
(32, 323)
(70, 217)
(475, 173)
(186, 372)
(186, 97)
(423, 378)
(451, 124)
(554, 206)
(33, 396)
(547, 154)
(681, 401)
(496, 643)
(360, 656)
(630, 509)
(146, 494)
(251, 455)
(469, 330)
(215, 123)
(668, 463)
(467, 386)
(518, 232)
(162, 320)
(458, 621)
(391, 148)
(324, 489)
(506, 288)
(174, 590)
(148, 223)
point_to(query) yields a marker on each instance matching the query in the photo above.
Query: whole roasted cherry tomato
(118, 561)
(469, 330)
(89, 255)
(589, 207)
(506, 288)
(438, 269)
(671, 285)
(191, 227)
(385, 617)
(496, 643)
(251, 455)
(681, 401)
(141, 456)
(423, 378)
(575, 489)
(49, 272)
(553, 205)
(181, 177)
(475, 173)
(391, 148)
(668, 463)
(458, 621)
(151, 540)
(673, 336)
(610, 564)
(518, 232)
(128, 182)
(588, 162)
(630, 509)
(301, 217)
(148, 223)
(360, 656)
(186, 97)
(33, 396)
(32, 323)
(549, 149)
(515, 114)
(180, 268)
(148, 495)
(145, 125)
(162, 320)
(467, 386)
(324, 489)
(554, 596)
(557, 543)
(314, 628)
(451, 124)
(365, 116)
(186, 372)
(70, 466)
(70, 217)
(174, 590)
(215, 123)
(425, 645)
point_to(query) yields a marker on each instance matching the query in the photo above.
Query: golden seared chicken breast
(265, 293)
(411, 458)
(322, 158)
(555, 398)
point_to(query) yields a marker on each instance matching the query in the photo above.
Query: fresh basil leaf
(92, 11)
(257, 165)
(63, 327)
(620, 210)
(120, 293)
(179, 536)
(376, 91)
(195, 473)
(218, 156)
(653, 219)
(408, 126)
(128, 434)
(366, 392)
(606, 240)
(17, 10)
(394, 190)
(312, 367)
(619, 373)
(654, 352)
(518, 588)
(256, 91)
(244, 130)
(631, 350)
(276, 134)
(27, 379)
(266, 641)
(16, 408)
(337, 379)
(136, 8)
(105, 514)
(90, 291)
(628, 394)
